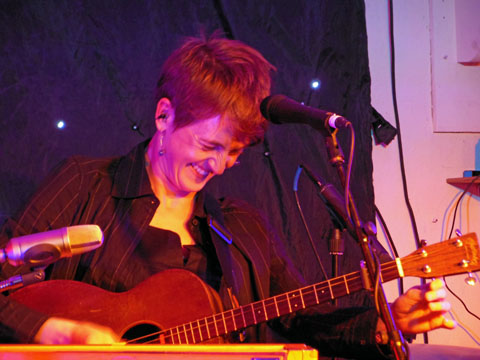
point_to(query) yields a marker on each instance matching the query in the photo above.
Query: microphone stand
(336, 247)
(396, 340)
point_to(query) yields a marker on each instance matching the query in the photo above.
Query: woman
(155, 216)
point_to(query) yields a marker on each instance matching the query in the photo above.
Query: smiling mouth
(200, 171)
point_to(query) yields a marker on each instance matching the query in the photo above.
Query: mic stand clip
(18, 281)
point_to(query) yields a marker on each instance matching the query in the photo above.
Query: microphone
(333, 199)
(46, 247)
(280, 109)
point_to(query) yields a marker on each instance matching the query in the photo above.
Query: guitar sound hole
(141, 334)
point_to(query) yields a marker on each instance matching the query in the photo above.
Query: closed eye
(235, 152)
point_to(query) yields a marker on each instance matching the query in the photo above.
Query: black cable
(399, 135)
(391, 244)
(310, 236)
(227, 28)
(397, 123)
(459, 299)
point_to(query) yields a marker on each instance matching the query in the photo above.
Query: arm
(55, 204)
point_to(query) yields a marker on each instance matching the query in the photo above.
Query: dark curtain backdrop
(94, 64)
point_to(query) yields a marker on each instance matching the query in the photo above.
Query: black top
(161, 249)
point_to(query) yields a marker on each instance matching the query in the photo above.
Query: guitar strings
(304, 292)
(322, 291)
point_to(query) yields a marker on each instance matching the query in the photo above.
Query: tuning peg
(470, 279)
(458, 232)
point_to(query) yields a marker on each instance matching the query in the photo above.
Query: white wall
(430, 157)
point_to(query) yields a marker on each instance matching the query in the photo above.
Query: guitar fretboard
(264, 310)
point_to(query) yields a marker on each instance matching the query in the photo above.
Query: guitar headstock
(454, 256)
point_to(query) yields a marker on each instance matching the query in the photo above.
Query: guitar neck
(453, 256)
(239, 318)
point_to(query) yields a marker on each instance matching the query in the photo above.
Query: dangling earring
(161, 152)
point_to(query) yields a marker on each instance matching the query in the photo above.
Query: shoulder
(87, 165)
(244, 219)
(81, 169)
(242, 209)
(72, 177)
(232, 206)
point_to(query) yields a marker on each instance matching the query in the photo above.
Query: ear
(164, 115)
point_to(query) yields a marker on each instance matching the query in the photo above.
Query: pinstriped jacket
(115, 194)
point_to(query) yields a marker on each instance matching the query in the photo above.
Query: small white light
(315, 84)
(60, 124)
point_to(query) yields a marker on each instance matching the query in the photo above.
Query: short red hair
(206, 78)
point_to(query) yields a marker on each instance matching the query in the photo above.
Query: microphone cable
(305, 225)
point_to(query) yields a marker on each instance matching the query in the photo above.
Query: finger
(439, 306)
(449, 323)
(435, 295)
(433, 285)
(430, 322)
(427, 291)
(436, 284)
(442, 322)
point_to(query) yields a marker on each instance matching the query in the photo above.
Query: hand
(422, 309)
(65, 331)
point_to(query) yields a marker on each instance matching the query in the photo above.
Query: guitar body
(165, 300)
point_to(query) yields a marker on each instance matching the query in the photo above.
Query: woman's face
(193, 154)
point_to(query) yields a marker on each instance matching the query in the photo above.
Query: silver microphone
(46, 247)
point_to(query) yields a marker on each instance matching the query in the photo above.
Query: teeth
(200, 170)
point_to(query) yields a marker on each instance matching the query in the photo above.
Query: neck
(168, 199)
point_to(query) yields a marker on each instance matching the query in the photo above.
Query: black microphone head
(280, 109)
(269, 107)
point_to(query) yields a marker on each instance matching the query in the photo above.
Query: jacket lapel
(236, 259)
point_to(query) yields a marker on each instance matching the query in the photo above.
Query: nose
(217, 166)
(222, 161)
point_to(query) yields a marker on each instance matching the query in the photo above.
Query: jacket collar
(131, 179)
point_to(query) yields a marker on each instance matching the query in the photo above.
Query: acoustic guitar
(147, 309)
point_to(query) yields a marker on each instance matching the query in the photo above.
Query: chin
(193, 188)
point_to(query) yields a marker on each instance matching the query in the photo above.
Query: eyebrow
(209, 142)
(215, 143)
